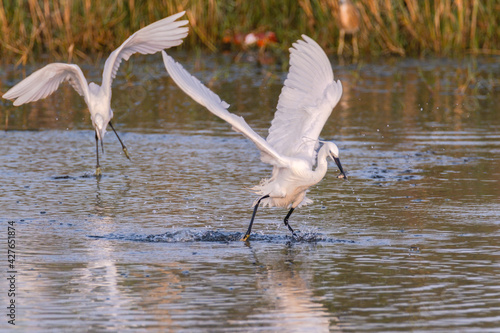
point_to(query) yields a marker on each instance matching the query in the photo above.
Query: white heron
(153, 38)
(298, 158)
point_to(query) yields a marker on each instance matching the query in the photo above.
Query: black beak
(102, 146)
(342, 173)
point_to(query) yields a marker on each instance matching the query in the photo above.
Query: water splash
(193, 235)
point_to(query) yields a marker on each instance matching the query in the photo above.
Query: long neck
(321, 163)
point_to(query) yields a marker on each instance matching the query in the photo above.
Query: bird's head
(333, 152)
(100, 125)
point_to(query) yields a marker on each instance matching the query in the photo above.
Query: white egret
(153, 38)
(307, 99)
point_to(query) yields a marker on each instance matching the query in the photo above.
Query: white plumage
(306, 101)
(153, 38)
(308, 97)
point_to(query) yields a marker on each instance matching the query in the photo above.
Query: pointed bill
(342, 173)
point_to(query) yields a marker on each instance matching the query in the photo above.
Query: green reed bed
(66, 29)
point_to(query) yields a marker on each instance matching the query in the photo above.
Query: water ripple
(192, 235)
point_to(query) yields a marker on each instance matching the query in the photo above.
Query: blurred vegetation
(68, 30)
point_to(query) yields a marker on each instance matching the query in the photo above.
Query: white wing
(201, 94)
(305, 103)
(45, 81)
(153, 38)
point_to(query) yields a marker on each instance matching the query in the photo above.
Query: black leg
(253, 217)
(97, 167)
(123, 146)
(286, 220)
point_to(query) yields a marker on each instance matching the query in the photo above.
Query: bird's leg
(123, 146)
(98, 172)
(286, 221)
(355, 45)
(341, 42)
(245, 238)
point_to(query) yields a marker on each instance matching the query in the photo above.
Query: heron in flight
(298, 157)
(153, 38)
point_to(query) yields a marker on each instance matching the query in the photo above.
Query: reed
(66, 29)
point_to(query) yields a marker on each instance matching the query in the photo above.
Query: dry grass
(65, 29)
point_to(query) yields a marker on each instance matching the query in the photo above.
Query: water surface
(409, 243)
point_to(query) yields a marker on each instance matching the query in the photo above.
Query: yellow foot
(126, 152)
(98, 172)
(245, 238)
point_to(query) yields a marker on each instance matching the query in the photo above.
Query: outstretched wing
(201, 94)
(45, 81)
(153, 38)
(305, 103)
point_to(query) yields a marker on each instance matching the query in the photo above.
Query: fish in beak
(342, 173)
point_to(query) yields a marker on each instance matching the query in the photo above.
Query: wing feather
(153, 38)
(305, 103)
(204, 96)
(45, 81)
